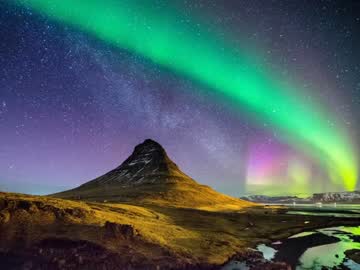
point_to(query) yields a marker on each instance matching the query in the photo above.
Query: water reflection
(268, 252)
(301, 234)
(338, 210)
(333, 254)
(344, 215)
(320, 256)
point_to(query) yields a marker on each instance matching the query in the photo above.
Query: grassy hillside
(186, 195)
(55, 232)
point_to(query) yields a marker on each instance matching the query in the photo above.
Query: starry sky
(254, 97)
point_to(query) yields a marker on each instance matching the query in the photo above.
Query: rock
(353, 254)
(4, 217)
(355, 238)
(3, 204)
(115, 230)
(76, 212)
(25, 205)
(254, 260)
(11, 204)
(40, 205)
(61, 262)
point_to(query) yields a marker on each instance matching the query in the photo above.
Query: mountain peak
(149, 146)
(148, 163)
(150, 154)
(149, 142)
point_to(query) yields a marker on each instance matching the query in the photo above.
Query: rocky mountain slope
(148, 175)
(272, 199)
(338, 197)
(148, 164)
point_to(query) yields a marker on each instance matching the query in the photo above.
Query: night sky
(245, 96)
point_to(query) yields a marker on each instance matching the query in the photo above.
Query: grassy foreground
(60, 232)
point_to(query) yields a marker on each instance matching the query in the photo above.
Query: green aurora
(218, 63)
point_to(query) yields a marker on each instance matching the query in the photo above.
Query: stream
(316, 250)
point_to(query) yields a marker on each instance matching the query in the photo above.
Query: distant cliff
(327, 197)
(343, 197)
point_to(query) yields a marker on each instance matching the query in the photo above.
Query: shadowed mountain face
(149, 175)
(148, 163)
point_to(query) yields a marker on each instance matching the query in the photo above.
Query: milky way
(82, 85)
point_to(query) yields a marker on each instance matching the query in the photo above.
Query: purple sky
(72, 107)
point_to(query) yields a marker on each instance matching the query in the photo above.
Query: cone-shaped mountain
(149, 175)
(148, 163)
